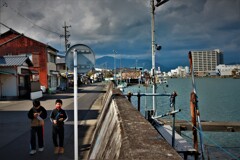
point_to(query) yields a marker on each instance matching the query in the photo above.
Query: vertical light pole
(159, 2)
(153, 56)
(114, 65)
(75, 105)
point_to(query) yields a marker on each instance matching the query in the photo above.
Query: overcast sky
(125, 26)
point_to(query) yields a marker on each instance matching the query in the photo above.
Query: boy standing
(37, 114)
(58, 117)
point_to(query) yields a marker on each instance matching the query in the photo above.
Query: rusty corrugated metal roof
(14, 61)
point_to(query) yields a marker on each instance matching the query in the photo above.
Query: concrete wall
(123, 133)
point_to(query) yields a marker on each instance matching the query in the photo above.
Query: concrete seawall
(123, 133)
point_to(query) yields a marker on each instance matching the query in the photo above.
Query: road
(15, 125)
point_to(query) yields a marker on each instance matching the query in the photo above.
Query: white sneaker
(32, 152)
(40, 149)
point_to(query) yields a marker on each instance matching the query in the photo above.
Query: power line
(4, 25)
(29, 20)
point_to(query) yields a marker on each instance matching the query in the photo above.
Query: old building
(42, 55)
(16, 79)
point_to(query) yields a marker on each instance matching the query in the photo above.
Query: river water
(218, 100)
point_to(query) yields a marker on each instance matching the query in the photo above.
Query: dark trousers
(58, 132)
(39, 132)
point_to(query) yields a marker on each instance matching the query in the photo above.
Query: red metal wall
(25, 45)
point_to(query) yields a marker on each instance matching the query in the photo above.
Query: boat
(122, 85)
(161, 80)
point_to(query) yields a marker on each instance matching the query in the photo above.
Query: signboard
(80, 59)
(85, 58)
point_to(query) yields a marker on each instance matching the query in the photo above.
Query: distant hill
(233, 63)
(108, 62)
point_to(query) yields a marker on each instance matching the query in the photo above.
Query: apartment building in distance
(205, 62)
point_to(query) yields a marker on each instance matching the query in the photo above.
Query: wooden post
(193, 101)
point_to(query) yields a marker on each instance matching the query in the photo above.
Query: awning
(54, 72)
(4, 72)
(34, 72)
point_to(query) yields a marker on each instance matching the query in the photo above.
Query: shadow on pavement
(15, 136)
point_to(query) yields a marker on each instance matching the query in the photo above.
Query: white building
(227, 70)
(187, 70)
(173, 72)
(205, 62)
(17, 80)
(179, 72)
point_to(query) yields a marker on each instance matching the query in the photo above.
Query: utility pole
(66, 36)
(67, 45)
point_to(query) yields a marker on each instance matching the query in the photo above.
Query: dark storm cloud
(125, 25)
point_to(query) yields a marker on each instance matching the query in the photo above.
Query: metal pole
(153, 56)
(172, 105)
(114, 65)
(75, 106)
(145, 103)
(139, 101)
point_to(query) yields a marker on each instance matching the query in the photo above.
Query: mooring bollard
(129, 95)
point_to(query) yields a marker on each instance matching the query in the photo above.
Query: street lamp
(158, 47)
(154, 47)
(160, 2)
(114, 76)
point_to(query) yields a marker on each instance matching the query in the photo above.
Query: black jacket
(40, 119)
(57, 114)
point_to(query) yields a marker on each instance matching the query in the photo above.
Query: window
(52, 58)
(52, 81)
(21, 81)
